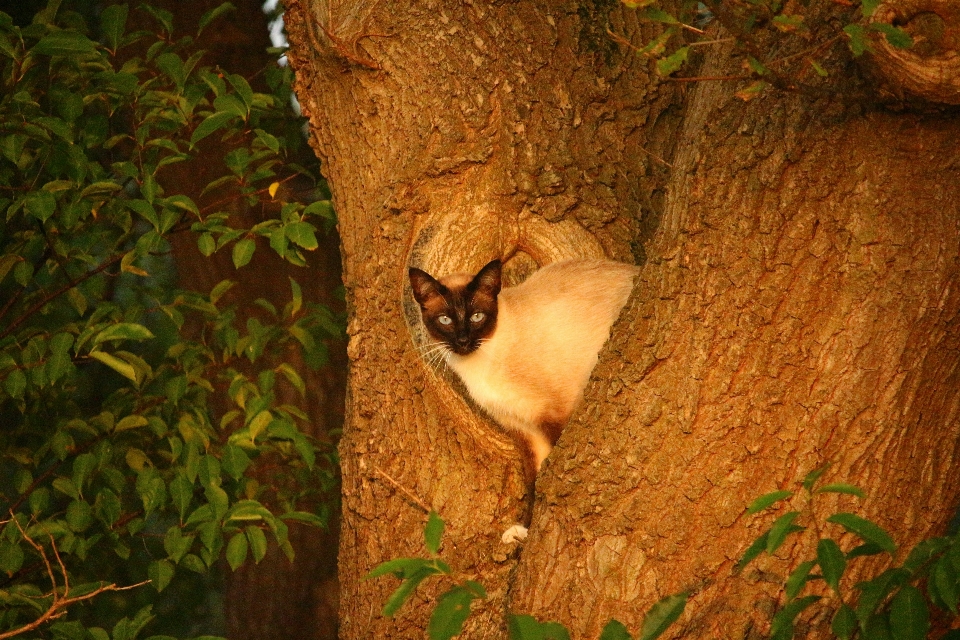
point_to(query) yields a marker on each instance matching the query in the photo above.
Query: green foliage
(895, 604)
(453, 606)
(139, 419)
(772, 38)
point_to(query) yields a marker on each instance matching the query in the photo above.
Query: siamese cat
(525, 353)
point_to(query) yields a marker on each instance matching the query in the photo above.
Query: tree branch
(60, 602)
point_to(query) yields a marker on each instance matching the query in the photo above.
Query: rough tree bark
(798, 304)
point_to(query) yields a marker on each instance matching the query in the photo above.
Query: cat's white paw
(516, 533)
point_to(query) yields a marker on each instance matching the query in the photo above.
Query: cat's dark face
(459, 313)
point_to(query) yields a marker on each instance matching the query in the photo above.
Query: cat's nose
(463, 341)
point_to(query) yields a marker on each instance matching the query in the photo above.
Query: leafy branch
(60, 597)
(759, 30)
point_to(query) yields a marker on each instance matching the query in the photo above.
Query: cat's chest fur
(528, 367)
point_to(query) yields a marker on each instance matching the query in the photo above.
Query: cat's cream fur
(529, 375)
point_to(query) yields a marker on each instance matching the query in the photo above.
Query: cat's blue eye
(444, 320)
(478, 317)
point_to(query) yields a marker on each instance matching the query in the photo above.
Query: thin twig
(656, 157)
(806, 52)
(40, 305)
(59, 604)
(399, 486)
(703, 43)
(705, 78)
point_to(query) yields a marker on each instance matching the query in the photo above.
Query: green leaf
(666, 66)
(176, 544)
(401, 567)
(164, 17)
(783, 620)
(210, 124)
(306, 518)
(206, 244)
(873, 592)
(145, 210)
(877, 627)
(242, 87)
(909, 616)
(526, 627)
(656, 14)
(451, 611)
(130, 422)
(766, 500)
(661, 615)
(868, 7)
(787, 23)
(243, 252)
(235, 461)
(221, 288)
(811, 478)
(181, 492)
(840, 487)
(844, 622)
(923, 552)
(218, 500)
(945, 578)
(123, 331)
(321, 208)
(866, 549)
(754, 550)
(756, 66)
(113, 20)
(100, 188)
(896, 37)
(229, 103)
(258, 542)
(107, 507)
(301, 234)
(752, 91)
(160, 573)
(213, 14)
(79, 515)
(293, 377)
(858, 39)
(867, 530)
(268, 140)
(15, 383)
(249, 511)
(11, 557)
(66, 486)
(798, 579)
(40, 204)
(832, 562)
(782, 527)
(6, 264)
(615, 630)
(404, 591)
(182, 202)
(237, 550)
(64, 43)
(432, 532)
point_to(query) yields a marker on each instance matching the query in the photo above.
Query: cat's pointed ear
(424, 285)
(488, 279)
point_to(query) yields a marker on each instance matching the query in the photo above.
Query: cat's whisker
(434, 354)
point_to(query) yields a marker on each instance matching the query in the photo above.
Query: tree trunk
(797, 305)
